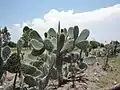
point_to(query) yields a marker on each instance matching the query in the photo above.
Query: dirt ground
(97, 78)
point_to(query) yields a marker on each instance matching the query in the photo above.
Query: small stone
(115, 82)
(95, 73)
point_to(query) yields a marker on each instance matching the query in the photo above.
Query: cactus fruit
(6, 51)
(36, 44)
(34, 35)
(52, 32)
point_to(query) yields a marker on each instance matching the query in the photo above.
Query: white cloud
(103, 23)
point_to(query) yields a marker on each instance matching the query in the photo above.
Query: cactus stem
(14, 84)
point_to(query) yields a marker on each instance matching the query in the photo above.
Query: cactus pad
(13, 63)
(36, 44)
(37, 52)
(83, 44)
(68, 46)
(70, 32)
(52, 32)
(48, 45)
(76, 32)
(6, 51)
(83, 35)
(34, 35)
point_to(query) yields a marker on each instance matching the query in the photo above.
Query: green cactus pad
(37, 64)
(61, 41)
(29, 80)
(68, 46)
(36, 44)
(19, 45)
(83, 44)
(70, 32)
(76, 32)
(52, 32)
(65, 31)
(34, 35)
(6, 51)
(29, 69)
(37, 52)
(48, 45)
(54, 41)
(13, 63)
(83, 35)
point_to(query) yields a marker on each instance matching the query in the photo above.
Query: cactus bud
(45, 34)
(61, 30)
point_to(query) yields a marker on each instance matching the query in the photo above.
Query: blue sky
(101, 17)
(17, 11)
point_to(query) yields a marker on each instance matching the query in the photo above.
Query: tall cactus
(59, 44)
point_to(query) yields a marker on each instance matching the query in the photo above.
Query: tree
(25, 36)
(94, 44)
(5, 36)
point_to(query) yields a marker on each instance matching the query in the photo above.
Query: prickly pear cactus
(68, 47)
(19, 46)
(34, 35)
(48, 45)
(70, 32)
(6, 51)
(30, 80)
(30, 70)
(37, 52)
(52, 32)
(36, 44)
(83, 44)
(76, 32)
(83, 35)
(13, 63)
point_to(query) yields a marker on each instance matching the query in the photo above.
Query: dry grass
(112, 77)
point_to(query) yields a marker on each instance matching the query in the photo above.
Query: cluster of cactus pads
(55, 51)
(65, 46)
